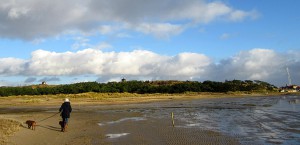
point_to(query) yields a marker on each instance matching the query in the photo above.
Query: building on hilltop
(290, 88)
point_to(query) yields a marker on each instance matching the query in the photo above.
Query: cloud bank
(34, 19)
(256, 64)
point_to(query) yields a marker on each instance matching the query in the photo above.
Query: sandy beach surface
(122, 123)
(104, 125)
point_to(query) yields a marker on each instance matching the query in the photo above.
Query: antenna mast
(289, 76)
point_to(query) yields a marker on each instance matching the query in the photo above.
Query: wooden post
(172, 116)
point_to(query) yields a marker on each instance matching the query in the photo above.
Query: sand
(84, 128)
(102, 124)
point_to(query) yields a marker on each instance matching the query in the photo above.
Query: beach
(84, 128)
(141, 122)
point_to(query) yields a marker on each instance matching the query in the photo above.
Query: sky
(70, 41)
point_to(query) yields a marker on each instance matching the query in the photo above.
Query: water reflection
(252, 120)
(122, 120)
(260, 120)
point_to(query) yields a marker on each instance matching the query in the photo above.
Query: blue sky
(98, 40)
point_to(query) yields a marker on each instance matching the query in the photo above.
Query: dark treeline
(141, 87)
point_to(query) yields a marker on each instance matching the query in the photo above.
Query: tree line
(141, 87)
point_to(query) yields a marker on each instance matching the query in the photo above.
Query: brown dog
(31, 124)
(61, 123)
(63, 126)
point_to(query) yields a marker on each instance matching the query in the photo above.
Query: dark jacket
(65, 110)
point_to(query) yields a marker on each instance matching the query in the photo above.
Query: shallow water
(112, 136)
(259, 120)
(253, 120)
(122, 120)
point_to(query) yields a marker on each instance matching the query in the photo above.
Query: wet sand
(106, 124)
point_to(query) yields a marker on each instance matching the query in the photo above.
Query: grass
(111, 98)
(32, 100)
(8, 128)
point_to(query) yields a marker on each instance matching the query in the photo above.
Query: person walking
(65, 110)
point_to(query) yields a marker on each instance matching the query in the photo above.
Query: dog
(31, 124)
(63, 126)
(61, 123)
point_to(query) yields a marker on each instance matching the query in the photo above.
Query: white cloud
(123, 35)
(185, 64)
(160, 30)
(92, 61)
(15, 13)
(256, 64)
(34, 19)
(80, 42)
(37, 41)
(109, 29)
(102, 45)
(239, 15)
(214, 10)
(12, 66)
(226, 36)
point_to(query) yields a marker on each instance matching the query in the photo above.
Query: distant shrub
(141, 87)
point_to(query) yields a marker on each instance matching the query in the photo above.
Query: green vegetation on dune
(141, 87)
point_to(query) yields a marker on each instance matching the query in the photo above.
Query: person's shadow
(54, 128)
